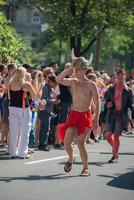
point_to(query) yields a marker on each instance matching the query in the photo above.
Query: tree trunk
(132, 61)
(98, 51)
(78, 47)
(72, 42)
(75, 43)
(60, 50)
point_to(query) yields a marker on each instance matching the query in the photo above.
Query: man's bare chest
(82, 89)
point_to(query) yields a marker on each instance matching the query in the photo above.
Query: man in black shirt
(63, 109)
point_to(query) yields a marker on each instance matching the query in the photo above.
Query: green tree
(2, 2)
(10, 42)
(118, 44)
(81, 22)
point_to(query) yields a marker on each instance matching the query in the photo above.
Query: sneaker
(96, 140)
(2, 145)
(58, 146)
(14, 157)
(44, 148)
(26, 157)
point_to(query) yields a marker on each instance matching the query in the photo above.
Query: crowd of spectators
(34, 107)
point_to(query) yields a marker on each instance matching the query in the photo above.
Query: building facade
(27, 19)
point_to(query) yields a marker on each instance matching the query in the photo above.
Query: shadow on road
(37, 178)
(123, 181)
(99, 164)
(125, 153)
(128, 136)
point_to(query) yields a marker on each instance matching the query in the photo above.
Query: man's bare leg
(82, 149)
(69, 137)
(88, 139)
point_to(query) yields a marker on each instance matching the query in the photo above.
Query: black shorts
(63, 111)
(102, 117)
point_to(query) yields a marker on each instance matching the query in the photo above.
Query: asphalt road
(42, 176)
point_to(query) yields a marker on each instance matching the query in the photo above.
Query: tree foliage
(2, 2)
(10, 42)
(77, 20)
(119, 45)
(76, 24)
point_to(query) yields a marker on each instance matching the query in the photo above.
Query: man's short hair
(2, 67)
(52, 78)
(11, 66)
(26, 66)
(120, 71)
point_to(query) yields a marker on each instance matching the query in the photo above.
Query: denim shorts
(114, 126)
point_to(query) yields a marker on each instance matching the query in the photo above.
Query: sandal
(30, 151)
(67, 167)
(85, 172)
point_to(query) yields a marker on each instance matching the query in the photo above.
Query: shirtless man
(79, 122)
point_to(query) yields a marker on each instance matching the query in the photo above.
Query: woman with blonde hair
(19, 113)
(37, 80)
(11, 67)
(28, 77)
(48, 71)
(37, 83)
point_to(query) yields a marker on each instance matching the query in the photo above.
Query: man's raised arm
(62, 77)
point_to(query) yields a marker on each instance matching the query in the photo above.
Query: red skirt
(80, 120)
